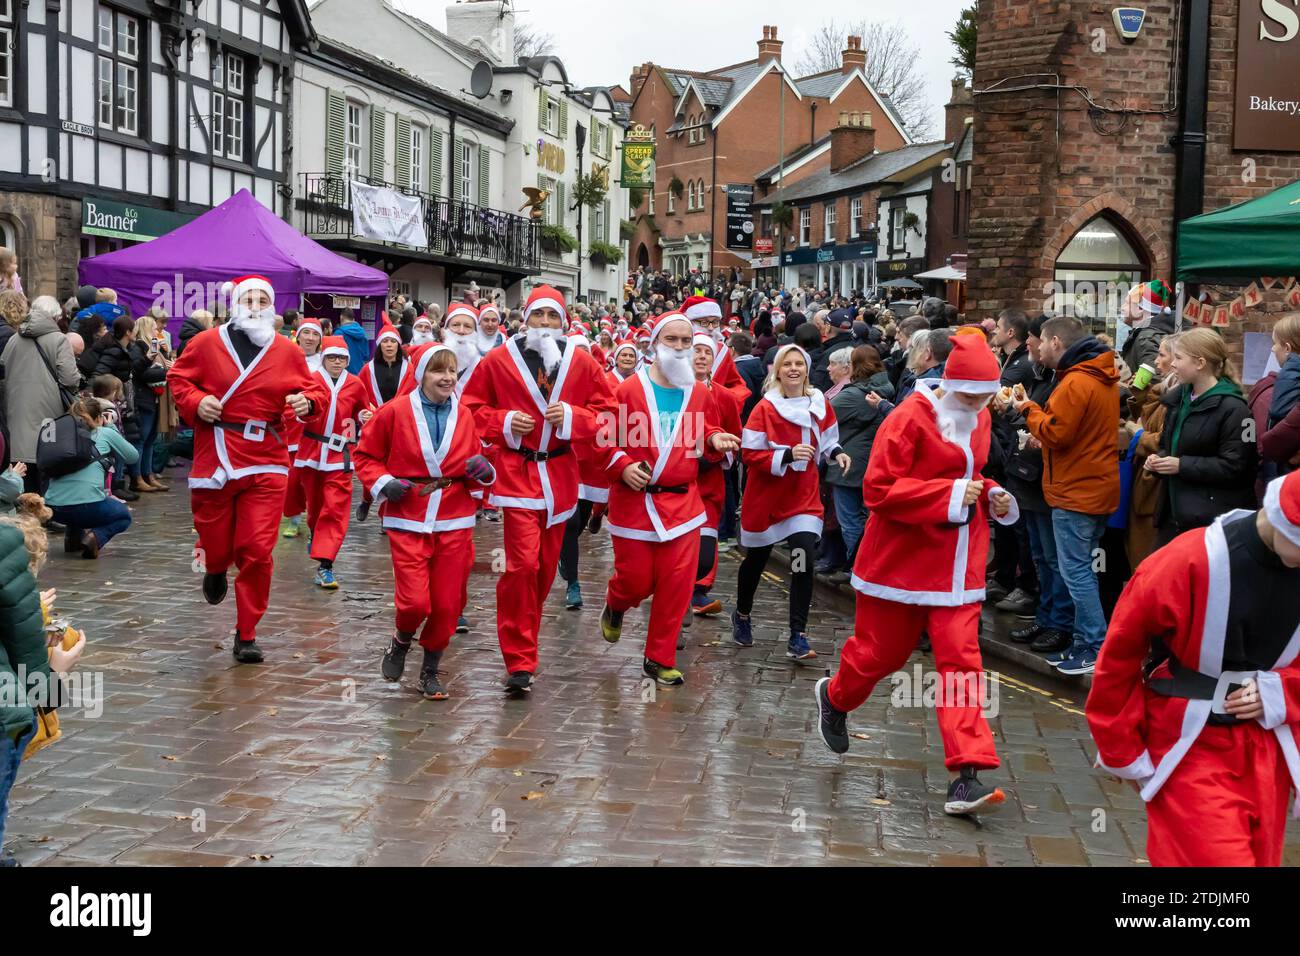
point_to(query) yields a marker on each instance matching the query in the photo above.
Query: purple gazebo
(184, 270)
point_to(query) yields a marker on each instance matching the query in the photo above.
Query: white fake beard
(314, 362)
(465, 350)
(485, 343)
(956, 421)
(546, 343)
(678, 365)
(258, 326)
(421, 338)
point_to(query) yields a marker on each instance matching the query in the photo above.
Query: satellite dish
(480, 81)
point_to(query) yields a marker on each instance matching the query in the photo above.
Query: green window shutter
(561, 206)
(457, 170)
(564, 117)
(402, 152)
(543, 101)
(377, 144)
(336, 120)
(435, 162)
(604, 223)
(484, 174)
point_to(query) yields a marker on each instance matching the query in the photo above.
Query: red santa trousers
(1225, 803)
(295, 498)
(532, 557)
(329, 507)
(884, 635)
(431, 582)
(239, 524)
(664, 570)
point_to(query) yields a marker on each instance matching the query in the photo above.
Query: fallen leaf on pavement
(170, 757)
(261, 856)
(861, 736)
(880, 802)
(273, 711)
(533, 795)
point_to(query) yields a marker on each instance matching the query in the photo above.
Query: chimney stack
(855, 58)
(853, 139)
(639, 75)
(769, 48)
(960, 107)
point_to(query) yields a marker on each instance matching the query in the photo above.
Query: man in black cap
(837, 332)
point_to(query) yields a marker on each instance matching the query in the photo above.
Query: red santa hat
(662, 321)
(312, 324)
(580, 340)
(620, 347)
(643, 332)
(426, 353)
(387, 331)
(545, 297)
(334, 345)
(237, 288)
(703, 338)
(460, 308)
(699, 307)
(971, 367)
(1282, 506)
(489, 307)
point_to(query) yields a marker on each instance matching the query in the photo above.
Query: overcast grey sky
(600, 41)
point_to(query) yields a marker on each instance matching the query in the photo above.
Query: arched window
(1095, 271)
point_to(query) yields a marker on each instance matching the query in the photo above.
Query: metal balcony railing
(455, 229)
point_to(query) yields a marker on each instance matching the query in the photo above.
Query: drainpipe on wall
(1189, 189)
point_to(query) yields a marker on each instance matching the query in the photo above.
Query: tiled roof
(820, 85)
(792, 158)
(869, 171)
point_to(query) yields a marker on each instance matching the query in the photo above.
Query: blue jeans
(107, 518)
(148, 423)
(1055, 609)
(852, 517)
(1078, 540)
(11, 754)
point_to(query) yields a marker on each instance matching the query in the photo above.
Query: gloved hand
(478, 469)
(395, 489)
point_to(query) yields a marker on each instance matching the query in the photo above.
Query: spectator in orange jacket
(1077, 428)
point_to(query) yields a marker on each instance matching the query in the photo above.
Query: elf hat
(461, 308)
(387, 332)
(699, 307)
(334, 345)
(237, 288)
(1282, 506)
(545, 297)
(971, 367)
(1154, 297)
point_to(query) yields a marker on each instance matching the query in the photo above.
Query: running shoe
(704, 605)
(395, 659)
(520, 682)
(967, 795)
(742, 631)
(667, 676)
(831, 723)
(797, 647)
(247, 652)
(325, 579)
(462, 625)
(611, 624)
(1078, 663)
(291, 528)
(573, 596)
(429, 685)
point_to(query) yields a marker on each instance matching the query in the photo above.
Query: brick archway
(1148, 235)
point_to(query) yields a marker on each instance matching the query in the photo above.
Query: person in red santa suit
(626, 362)
(460, 334)
(420, 457)
(666, 422)
(233, 383)
(706, 315)
(308, 337)
(593, 496)
(490, 334)
(921, 565)
(1196, 694)
(789, 432)
(325, 458)
(382, 377)
(533, 397)
(713, 483)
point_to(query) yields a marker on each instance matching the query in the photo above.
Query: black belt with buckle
(259, 429)
(335, 443)
(1191, 684)
(532, 455)
(665, 489)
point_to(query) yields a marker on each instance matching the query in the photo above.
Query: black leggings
(708, 552)
(573, 528)
(803, 554)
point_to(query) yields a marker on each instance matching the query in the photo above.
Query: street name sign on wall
(1266, 115)
(387, 215)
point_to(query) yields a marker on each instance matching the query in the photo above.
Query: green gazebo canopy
(1259, 237)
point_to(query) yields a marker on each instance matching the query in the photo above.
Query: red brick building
(1088, 149)
(725, 126)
